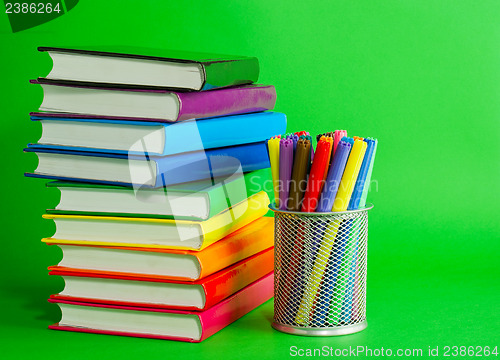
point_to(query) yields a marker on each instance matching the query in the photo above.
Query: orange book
(185, 265)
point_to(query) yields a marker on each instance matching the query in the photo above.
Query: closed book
(162, 233)
(181, 325)
(173, 264)
(152, 105)
(199, 200)
(149, 68)
(154, 138)
(146, 170)
(142, 291)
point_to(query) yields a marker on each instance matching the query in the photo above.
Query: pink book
(190, 326)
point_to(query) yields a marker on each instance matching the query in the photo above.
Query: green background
(421, 76)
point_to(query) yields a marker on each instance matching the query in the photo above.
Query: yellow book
(157, 233)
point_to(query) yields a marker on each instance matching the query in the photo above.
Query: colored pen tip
(344, 144)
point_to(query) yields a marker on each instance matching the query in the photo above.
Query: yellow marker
(274, 158)
(350, 176)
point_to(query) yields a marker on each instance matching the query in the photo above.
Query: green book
(198, 200)
(144, 68)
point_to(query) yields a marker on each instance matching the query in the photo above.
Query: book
(173, 264)
(149, 68)
(154, 104)
(146, 170)
(132, 137)
(182, 325)
(199, 200)
(165, 233)
(164, 293)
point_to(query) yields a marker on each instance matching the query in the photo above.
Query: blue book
(147, 170)
(157, 138)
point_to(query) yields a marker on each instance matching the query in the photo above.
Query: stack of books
(160, 158)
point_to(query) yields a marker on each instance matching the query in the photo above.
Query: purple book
(152, 105)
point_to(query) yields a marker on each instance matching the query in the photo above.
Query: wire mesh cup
(320, 272)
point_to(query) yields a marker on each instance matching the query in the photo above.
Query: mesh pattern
(320, 269)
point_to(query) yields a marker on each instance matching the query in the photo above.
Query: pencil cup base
(327, 331)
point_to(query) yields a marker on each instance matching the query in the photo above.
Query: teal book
(198, 200)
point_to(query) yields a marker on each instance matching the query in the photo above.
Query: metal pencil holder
(320, 272)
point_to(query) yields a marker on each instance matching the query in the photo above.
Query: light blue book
(157, 138)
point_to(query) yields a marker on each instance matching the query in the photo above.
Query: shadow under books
(33, 298)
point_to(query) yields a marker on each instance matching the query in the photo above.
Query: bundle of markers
(334, 177)
(321, 272)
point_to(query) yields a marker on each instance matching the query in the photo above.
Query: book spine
(229, 73)
(230, 310)
(225, 102)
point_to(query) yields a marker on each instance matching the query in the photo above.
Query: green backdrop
(421, 76)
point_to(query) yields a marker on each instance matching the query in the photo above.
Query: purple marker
(286, 162)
